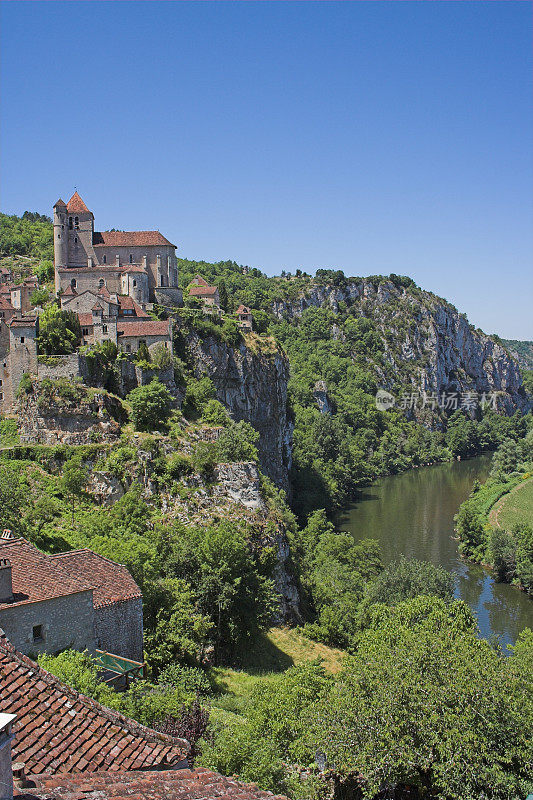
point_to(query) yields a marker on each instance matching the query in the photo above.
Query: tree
(73, 480)
(59, 331)
(161, 356)
(44, 270)
(237, 442)
(426, 703)
(143, 353)
(407, 578)
(11, 498)
(150, 405)
(39, 297)
(223, 295)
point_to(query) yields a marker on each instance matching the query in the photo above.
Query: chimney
(145, 262)
(6, 769)
(6, 582)
(117, 260)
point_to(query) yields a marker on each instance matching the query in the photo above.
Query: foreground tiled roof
(181, 784)
(59, 730)
(149, 327)
(86, 319)
(76, 204)
(129, 239)
(111, 581)
(37, 576)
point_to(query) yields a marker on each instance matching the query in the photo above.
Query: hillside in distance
(522, 351)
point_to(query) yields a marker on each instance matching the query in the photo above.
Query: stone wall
(118, 628)
(67, 622)
(71, 366)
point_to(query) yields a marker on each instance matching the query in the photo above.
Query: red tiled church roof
(111, 582)
(130, 239)
(180, 784)
(76, 205)
(59, 730)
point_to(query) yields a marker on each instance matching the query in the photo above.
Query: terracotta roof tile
(243, 310)
(180, 784)
(76, 204)
(23, 322)
(36, 576)
(112, 582)
(86, 320)
(149, 327)
(5, 305)
(203, 291)
(77, 732)
(130, 239)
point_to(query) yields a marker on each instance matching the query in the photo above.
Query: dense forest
(28, 235)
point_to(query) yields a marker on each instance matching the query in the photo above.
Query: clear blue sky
(374, 137)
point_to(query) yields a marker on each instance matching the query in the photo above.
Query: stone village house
(77, 600)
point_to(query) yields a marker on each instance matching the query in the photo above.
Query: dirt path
(494, 513)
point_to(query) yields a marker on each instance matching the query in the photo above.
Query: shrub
(161, 357)
(150, 405)
(237, 443)
(25, 385)
(204, 458)
(178, 464)
(214, 413)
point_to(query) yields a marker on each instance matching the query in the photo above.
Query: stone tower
(60, 236)
(80, 233)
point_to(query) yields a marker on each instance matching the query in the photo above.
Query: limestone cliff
(427, 343)
(252, 384)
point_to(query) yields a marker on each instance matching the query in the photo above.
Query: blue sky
(373, 137)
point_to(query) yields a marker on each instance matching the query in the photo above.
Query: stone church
(140, 264)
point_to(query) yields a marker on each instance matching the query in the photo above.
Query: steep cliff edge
(252, 384)
(426, 343)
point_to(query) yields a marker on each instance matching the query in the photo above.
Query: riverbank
(413, 514)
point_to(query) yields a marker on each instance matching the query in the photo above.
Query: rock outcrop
(253, 387)
(427, 343)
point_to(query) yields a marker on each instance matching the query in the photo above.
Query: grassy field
(272, 653)
(516, 507)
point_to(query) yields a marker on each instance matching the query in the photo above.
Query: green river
(413, 514)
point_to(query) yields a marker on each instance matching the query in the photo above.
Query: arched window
(70, 222)
(134, 284)
(101, 282)
(76, 222)
(73, 283)
(75, 238)
(131, 259)
(104, 260)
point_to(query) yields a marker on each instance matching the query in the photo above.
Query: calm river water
(413, 514)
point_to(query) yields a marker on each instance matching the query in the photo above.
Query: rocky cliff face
(427, 343)
(253, 387)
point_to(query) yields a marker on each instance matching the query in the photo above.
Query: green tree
(150, 405)
(11, 498)
(74, 480)
(408, 578)
(39, 297)
(59, 331)
(237, 442)
(426, 703)
(223, 295)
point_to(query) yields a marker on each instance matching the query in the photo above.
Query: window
(75, 238)
(1, 315)
(70, 222)
(104, 260)
(128, 348)
(76, 222)
(134, 284)
(59, 236)
(131, 259)
(73, 283)
(101, 282)
(1, 395)
(85, 331)
(38, 633)
(104, 328)
(22, 339)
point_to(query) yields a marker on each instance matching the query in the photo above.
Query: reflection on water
(413, 514)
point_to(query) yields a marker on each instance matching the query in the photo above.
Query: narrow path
(494, 513)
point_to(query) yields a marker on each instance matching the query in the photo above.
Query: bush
(178, 465)
(197, 393)
(214, 413)
(237, 443)
(150, 405)
(161, 357)
(25, 385)
(204, 458)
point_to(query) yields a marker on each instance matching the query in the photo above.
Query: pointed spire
(60, 203)
(76, 204)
